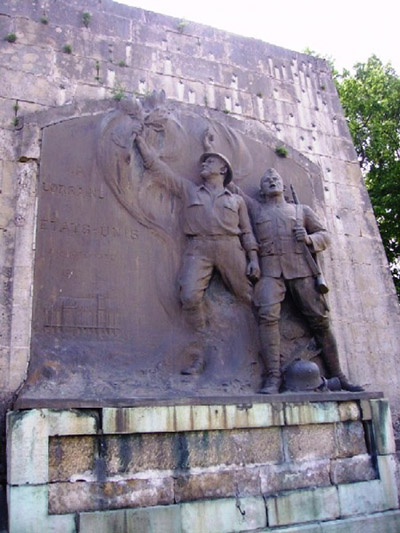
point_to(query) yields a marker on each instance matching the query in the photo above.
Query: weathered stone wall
(203, 468)
(124, 51)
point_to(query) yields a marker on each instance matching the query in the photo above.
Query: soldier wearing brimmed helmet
(219, 236)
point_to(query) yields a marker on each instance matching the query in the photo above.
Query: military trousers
(269, 294)
(201, 257)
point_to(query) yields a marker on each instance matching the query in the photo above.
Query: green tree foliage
(370, 97)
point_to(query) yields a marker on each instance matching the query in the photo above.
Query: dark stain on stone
(181, 450)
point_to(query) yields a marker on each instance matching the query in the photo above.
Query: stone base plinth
(260, 465)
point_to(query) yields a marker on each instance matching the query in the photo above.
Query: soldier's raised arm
(161, 172)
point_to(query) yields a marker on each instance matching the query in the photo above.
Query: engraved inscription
(74, 191)
(82, 315)
(89, 230)
(82, 255)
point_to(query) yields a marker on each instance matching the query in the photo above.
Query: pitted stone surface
(294, 475)
(351, 469)
(350, 439)
(94, 496)
(309, 442)
(127, 455)
(189, 477)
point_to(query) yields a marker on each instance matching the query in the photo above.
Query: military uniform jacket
(280, 253)
(205, 213)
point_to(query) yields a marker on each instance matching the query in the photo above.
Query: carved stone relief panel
(107, 319)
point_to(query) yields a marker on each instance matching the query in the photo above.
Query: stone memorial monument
(148, 262)
(177, 202)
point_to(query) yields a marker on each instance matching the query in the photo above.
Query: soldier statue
(288, 235)
(218, 233)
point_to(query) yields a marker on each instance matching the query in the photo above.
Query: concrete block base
(262, 466)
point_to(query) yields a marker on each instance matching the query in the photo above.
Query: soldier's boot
(270, 351)
(327, 343)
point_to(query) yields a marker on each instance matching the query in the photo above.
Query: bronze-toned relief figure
(219, 236)
(283, 230)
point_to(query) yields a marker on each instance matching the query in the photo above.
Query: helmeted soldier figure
(219, 235)
(282, 231)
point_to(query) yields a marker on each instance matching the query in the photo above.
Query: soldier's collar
(224, 190)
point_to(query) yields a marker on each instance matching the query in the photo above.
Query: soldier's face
(271, 184)
(212, 166)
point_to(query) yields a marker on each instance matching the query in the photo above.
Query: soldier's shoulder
(307, 209)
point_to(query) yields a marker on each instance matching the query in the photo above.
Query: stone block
(103, 522)
(388, 522)
(27, 440)
(365, 497)
(138, 419)
(127, 455)
(8, 177)
(22, 285)
(211, 448)
(222, 483)
(223, 516)
(27, 506)
(382, 427)
(7, 113)
(303, 506)
(190, 417)
(256, 446)
(94, 496)
(7, 216)
(350, 439)
(7, 144)
(34, 60)
(309, 442)
(27, 447)
(72, 458)
(351, 469)
(29, 147)
(291, 476)
(154, 520)
(301, 528)
(18, 365)
(110, 25)
(349, 411)
(25, 86)
(21, 326)
(150, 520)
(4, 367)
(179, 42)
(311, 413)
(71, 422)
(255, 415)
(387, 467)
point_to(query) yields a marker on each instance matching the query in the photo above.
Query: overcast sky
(349, 31)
